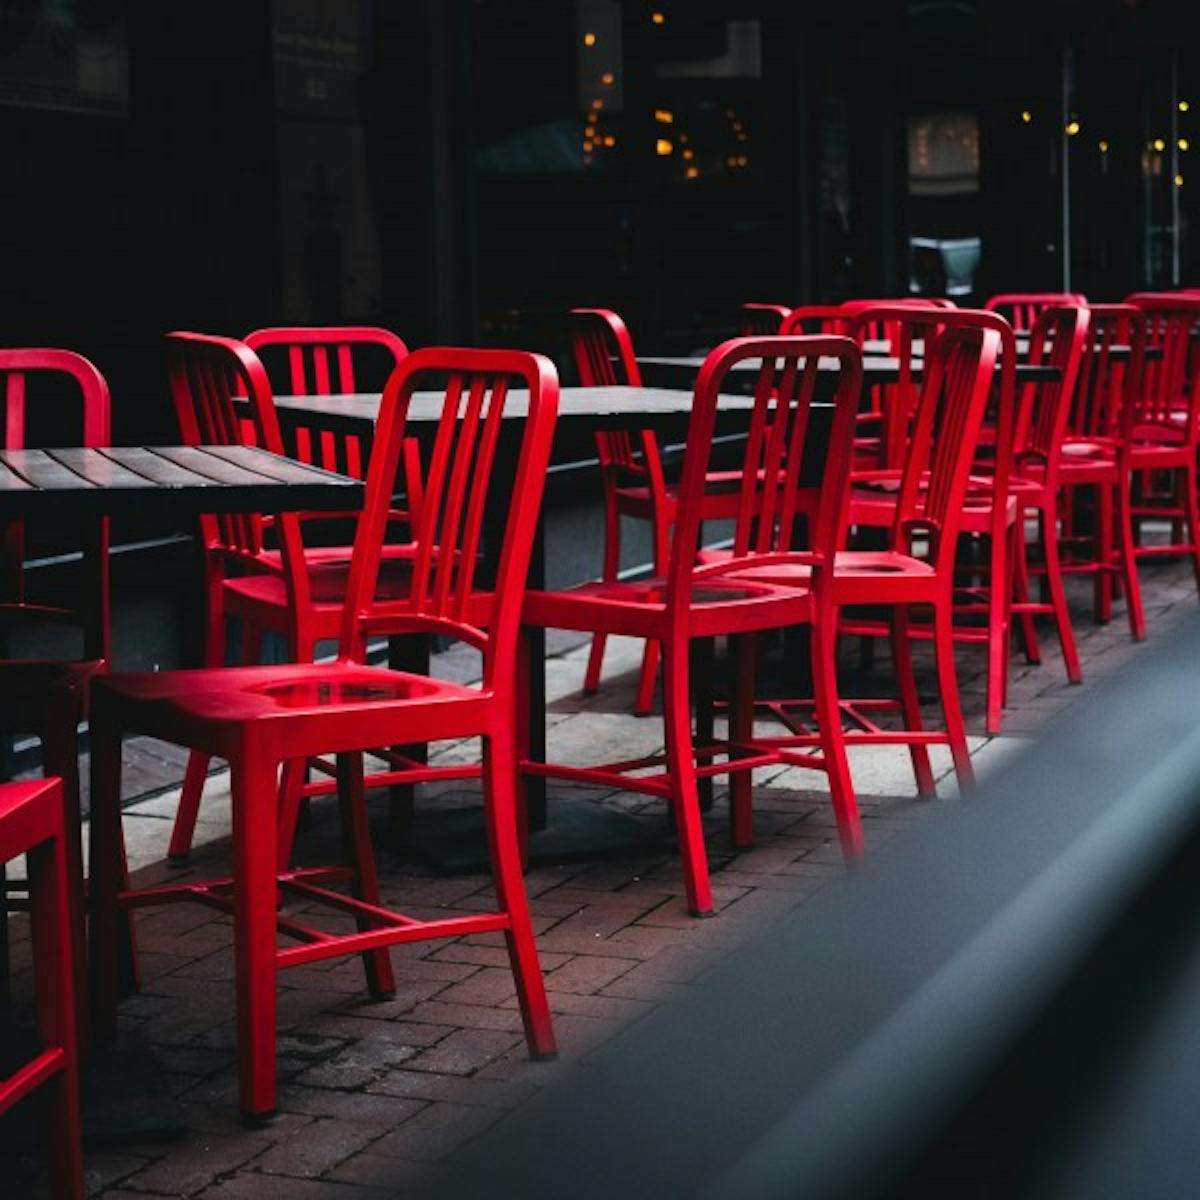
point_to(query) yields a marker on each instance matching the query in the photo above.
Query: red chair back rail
(1166, 402)
(1098, 408)
(813, 319)
(1022, 308)
(761, 319)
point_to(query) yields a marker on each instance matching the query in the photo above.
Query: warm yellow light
(1103, 146)
(589, 131)
(607, 79)
(1159, 145)
(664, 116)
(1072, 128)
(597, 104)
(589, 39)
(1179, 181)
(1026, 116)
(741, 137)
(663, 147)
(1182, 143)
(587, 147)
(1184, 106)
(689, 153)
(692, 172)
(742, 160)
(658, 18)
(609, 140)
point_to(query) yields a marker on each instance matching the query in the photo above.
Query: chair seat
(638, 608)
(874, 504)
(855, 572)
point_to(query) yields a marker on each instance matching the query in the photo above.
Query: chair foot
(695, 912)
(543, 1055)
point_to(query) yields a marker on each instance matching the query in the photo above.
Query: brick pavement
(375, 1096)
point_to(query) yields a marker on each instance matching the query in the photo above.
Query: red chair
(690, 602)
(1096, 455)
(631, 476)
(49, 698)
(761, 319)
(1166, 421)
(259, 717)
(31, 823)
(244, 572)
(1018, 474)
(1022, 309)
(814, 318)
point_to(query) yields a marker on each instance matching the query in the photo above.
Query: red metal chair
(31, 823)
(1166, 421)
(917, 568)
(1096, 454)
(761, 319)
(1021, 309)
(814, 318)
(259, 717)
(244, 572)
(49, 698)
(690, 602)
(631, 475)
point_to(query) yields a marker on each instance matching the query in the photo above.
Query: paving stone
(465, 1051)
(436, 1131)
(317, 1148)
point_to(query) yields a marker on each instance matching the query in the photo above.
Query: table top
(592, 403)
(1117, 352)
(173, 479)
(877, 368)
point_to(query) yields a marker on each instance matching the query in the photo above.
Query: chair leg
(184, 829)
(943, 641)
(823, 656)
(60, 755)
(1129, 568)
(1033, 653)
(647, 679)
(1192, 506)
(254, 900)
(701, 668)
(56, 969)
(681, 768)
(500, 776)
(999, 620)
(609, 571)
(105, 870)
(742, 649)
(291, 799)
(1058, 596)
(360, 855)
(1103, 597)
(909, 700)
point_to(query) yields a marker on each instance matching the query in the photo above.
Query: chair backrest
(602, 348)
(603, 353)
(761, 319)
(1104, 387)
(1058, 338)
(814, 318)
(92, 426)
(324, 361)
(218, 387)
(960, 365)
(1022, 308)
(1167, 399)
(487, 458)
(769, 498)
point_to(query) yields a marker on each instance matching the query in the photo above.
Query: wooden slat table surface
(78, 483)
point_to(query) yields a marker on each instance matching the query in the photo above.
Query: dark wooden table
(83, 483)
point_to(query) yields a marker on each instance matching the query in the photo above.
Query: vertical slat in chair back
(461, 490)
(1021, 309)
(960, 365)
